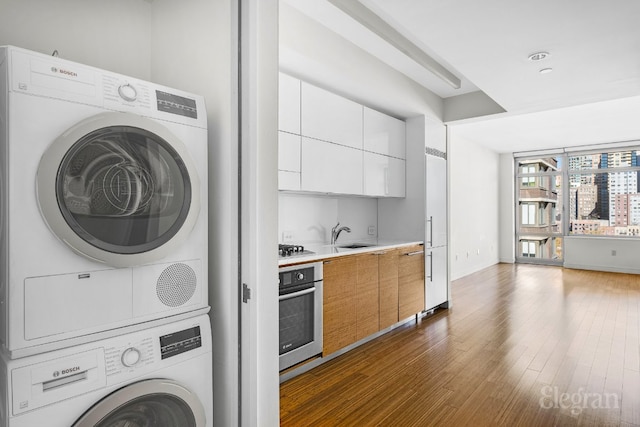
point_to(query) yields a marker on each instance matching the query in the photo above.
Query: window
(601, 195)
(605, 193)
(540, 201)
(542, 215)
(528, 249)
(528, 181)
(528, 214)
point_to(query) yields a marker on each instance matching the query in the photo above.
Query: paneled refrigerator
(436, 267)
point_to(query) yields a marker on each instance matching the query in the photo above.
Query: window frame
(522, 176)
(540, 178)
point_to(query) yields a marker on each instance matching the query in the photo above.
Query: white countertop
(330, 251)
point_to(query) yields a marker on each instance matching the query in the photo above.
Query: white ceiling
(591, 96)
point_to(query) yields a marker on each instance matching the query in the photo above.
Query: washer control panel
(121, 93)
(176, 104)
(129, 355)
(127, 92)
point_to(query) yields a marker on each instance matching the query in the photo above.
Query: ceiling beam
(379, 26)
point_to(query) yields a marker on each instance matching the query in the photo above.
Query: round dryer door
(157, 402)
(119, 188)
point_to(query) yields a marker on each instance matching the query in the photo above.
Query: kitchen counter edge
(323, 252)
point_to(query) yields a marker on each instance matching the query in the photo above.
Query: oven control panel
(296, 277)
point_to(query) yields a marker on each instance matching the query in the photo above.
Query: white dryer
(103, 213)
(158, 377)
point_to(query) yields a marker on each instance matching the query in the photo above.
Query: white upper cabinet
(289, 104)
(383, 134)
(384, 176)
(330, 168)
(288, 161)
(330, 117)
(288, 152)
(330, 144)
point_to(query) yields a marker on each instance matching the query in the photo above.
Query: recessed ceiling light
(538, 56)
(546, 70)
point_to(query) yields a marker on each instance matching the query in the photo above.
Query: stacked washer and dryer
(103, 248)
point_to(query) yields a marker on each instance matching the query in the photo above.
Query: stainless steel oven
(300, 293)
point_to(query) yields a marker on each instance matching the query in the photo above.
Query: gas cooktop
(292, 250)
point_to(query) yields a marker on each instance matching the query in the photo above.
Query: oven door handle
(297, 294)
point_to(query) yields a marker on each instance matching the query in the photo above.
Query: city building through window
(539, 232)
(602, 198)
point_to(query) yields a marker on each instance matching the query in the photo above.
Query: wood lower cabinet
(388, 288)
(368, 292)
(410, 281)
(367, 313)
(339, 307)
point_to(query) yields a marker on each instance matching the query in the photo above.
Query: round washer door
(119, 189)
(156, 402)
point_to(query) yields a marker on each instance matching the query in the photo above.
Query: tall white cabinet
(436, 229)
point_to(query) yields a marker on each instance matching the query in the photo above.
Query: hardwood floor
(522, 345)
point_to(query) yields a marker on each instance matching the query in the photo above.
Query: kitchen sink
(356, 246)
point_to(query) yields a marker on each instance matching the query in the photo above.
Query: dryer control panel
(180, 342)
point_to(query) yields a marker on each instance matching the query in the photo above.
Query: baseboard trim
(602, 268)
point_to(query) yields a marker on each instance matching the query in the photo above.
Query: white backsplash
(308, 219)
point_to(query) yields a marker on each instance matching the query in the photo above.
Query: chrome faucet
(335, 232)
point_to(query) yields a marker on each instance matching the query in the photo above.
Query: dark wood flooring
(522, 345)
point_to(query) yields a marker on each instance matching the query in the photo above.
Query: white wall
(259, 212)
(404, 218)
(90, 32)
(309, 218)
(507, 209)
(602, 254)
(474, 206)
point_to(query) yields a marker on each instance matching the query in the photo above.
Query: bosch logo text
(63, 71)
(66, 371)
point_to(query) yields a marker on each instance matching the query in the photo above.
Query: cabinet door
(331, 168)
(388, 288)
(330, 117)
(289, 104)
(384, 134)
(436, 201)
(339, 303)
(288, 161)
(367, 295)
(411, 281)
(436, 283)
(384, 176)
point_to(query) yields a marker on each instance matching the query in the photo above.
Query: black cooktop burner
(290, 250)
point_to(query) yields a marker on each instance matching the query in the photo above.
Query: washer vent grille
(176, 285)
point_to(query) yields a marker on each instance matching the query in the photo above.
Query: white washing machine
(103, 213)
(154, 377)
